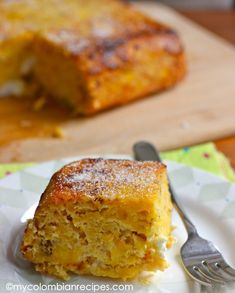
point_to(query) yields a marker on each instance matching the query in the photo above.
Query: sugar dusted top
(107, 179)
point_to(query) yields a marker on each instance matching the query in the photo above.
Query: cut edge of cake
(110, 76)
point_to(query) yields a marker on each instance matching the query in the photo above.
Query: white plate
(209, 200)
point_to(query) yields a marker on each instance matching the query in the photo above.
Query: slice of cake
(107, 218)
(91, 55)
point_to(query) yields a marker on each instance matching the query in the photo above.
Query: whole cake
(90, 55)
(107, 218)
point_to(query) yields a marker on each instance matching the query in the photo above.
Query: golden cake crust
(100, 180)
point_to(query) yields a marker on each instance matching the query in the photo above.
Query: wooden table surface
(222, 23)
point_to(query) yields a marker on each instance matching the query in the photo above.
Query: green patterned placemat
(204, 156)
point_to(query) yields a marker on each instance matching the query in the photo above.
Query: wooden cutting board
(201, 108)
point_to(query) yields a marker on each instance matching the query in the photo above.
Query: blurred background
(200, 4)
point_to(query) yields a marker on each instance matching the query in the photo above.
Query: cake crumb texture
(109, 218)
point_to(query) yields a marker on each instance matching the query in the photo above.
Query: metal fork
(201, 259)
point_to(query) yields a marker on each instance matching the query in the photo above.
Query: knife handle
(145, 151)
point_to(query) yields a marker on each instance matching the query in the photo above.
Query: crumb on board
(25, 123)
(57, 132)
(39, 104)
(185, 125)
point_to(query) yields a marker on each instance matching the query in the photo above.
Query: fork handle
(144, 151)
